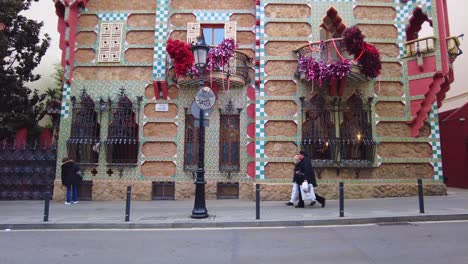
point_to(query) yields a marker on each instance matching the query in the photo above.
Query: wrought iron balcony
(329, 51)
(235, 72)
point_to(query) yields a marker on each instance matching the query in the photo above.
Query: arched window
(419, 34)
(82, 146)
(229, 139)
(318, 128)
(356, 143)
(123, 142)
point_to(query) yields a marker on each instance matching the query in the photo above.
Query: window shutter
(110, 42)
(193, 32)
(230, 30)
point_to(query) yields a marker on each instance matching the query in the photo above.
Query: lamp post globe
(200, 52)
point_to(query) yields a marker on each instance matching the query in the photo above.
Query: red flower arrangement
(365, 53)
(182, 56)
(370, 61)
(353, 40)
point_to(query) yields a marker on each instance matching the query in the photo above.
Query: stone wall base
(185, 190)
(282, 192)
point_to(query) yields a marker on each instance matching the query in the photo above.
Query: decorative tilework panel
(436, 147)
(110, 42)
(160, 39)
(205, 16)
(112, 16)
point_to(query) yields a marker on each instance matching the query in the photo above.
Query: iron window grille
(122, 143)
(318, 129)
(190, 143)
(336, 133)
(82, 146)
(357, 146)
(229, 139)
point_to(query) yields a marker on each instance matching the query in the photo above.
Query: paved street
(425, 243)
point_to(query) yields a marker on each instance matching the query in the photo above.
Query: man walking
(310, 176)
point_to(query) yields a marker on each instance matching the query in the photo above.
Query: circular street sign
(205, 98)
(195, 110)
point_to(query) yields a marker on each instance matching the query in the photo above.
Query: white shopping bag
(307, 192)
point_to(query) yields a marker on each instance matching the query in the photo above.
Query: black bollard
(421, 196)
(257, 201)
(46, 206)
(127, 206)
(341, 199)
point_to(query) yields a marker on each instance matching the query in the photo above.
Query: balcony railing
(330, 51)
(235, 71)
(453, 46)
(419, 46)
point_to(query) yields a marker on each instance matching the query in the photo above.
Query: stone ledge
(141, 190)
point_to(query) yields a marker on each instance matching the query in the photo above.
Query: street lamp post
(200, 52)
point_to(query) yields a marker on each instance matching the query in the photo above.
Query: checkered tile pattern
(65, 108)
(260, 104)
(203, 16)
(335, 1)
(404, 12)
(112, 16)
(436, 147)
(160, 39)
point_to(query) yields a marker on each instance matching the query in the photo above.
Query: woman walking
(71, 179)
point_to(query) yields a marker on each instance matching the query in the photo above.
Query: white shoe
(67, 203)
(75, 202)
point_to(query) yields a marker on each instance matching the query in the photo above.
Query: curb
(257, 223)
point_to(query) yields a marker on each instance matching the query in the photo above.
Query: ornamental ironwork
(357, 146)
(318, 129)
(338, 134)
(122, 141)
(83, 144)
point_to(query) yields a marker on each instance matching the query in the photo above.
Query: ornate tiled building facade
(117, 49)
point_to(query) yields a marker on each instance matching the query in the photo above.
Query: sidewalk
(230, 213)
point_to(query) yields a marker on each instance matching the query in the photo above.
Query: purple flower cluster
(340, 69)
(319, 71)
(221, 54)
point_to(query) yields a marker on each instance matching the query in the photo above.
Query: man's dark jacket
(308, 171)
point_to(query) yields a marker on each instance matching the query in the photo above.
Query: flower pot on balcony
(333, 84)
(342, 84)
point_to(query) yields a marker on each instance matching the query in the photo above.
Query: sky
(44, 11)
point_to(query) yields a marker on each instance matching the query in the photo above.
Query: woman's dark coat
(70, 174)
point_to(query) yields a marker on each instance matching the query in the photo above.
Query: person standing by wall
(71, 179)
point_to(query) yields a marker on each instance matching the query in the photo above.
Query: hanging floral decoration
(364, 53)
(181, 55)
(221, 54)
(319, 71)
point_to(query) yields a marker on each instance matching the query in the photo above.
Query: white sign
(205, 98)
(162, 107)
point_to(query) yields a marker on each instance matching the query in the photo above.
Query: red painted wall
(454, 141)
